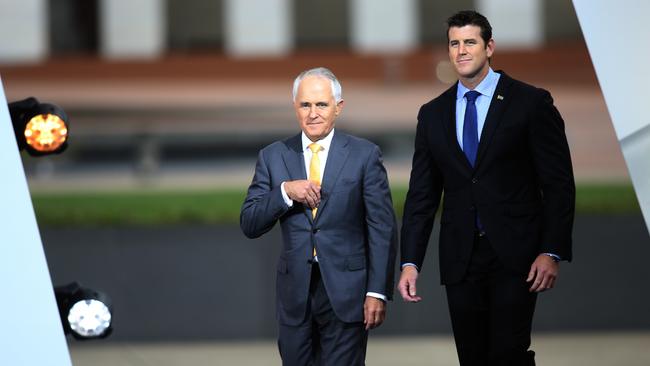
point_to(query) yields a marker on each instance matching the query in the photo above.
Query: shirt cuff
(377, 295)
(285, 197)
(410, 264)
(555, 257)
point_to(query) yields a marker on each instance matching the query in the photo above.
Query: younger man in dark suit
(497, 149)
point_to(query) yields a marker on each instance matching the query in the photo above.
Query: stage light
(40, 128)
(85, 313)
(46, 132)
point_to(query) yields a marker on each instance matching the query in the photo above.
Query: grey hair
(337, 91)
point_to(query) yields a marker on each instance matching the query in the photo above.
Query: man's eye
(321, 105)
(304, 105)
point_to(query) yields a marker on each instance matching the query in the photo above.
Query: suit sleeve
(264, 204)
(422, 199)
(552, 160)
(381, 225)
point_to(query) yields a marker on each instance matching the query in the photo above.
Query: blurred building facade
(35, 30)
(170, 90)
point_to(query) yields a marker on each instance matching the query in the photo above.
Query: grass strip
(223, 206)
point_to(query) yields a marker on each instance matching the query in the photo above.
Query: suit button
(315, 231)
(474, 180)
(473, 208)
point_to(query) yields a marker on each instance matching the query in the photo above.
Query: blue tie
(470, 136)
(470, 127)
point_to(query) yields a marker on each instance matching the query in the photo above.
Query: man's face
(315, 107)
(468, 52)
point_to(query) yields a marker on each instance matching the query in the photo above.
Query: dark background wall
(210, 282)
(195, 25)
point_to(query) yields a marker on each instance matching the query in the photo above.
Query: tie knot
(314, 147)
(471, 96)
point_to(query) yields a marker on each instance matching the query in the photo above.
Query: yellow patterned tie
(314, 168)
(314, 173)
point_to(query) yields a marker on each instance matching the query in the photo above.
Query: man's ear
(490, 47)
(339, 107)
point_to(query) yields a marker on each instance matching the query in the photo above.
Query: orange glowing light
(46, 132)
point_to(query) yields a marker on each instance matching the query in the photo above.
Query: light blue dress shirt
(486, 87)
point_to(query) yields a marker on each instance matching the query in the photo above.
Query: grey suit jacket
(354, 231)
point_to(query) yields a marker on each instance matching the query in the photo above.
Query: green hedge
(222, 206)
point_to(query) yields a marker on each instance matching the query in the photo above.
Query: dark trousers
(491, 312)
(322, 339)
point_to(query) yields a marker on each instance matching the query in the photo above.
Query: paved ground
(593, 349)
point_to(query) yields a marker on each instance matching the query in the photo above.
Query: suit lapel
(294, 160)
(449, 121)
(336, 158)
(498, 104)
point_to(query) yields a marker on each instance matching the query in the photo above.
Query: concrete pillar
(23, 31)
(258, 27)
(387, 27)
(515, 23)
(132, 29)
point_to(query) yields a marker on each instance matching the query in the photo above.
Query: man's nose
(461, 49)
(312, 112)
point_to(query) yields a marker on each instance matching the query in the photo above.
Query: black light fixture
(85, 313)
(40, 128)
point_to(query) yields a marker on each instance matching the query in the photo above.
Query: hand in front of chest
(303, 191)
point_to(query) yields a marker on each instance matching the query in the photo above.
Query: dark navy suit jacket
(354, 230)
(521, 185)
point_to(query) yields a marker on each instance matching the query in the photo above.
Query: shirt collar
(324, 142)
(486, 87)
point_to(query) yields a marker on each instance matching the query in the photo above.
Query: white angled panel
(30, 326)
(616, 33)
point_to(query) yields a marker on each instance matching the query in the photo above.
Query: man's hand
(374, 312)
(303, 191)
(543, 273)
(406, 284)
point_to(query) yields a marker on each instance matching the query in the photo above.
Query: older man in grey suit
(330, 193)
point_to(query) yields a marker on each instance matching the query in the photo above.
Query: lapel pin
(499, 97)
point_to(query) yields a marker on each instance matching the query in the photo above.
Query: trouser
(491, 312)
(322, 339)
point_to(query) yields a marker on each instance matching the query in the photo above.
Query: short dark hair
(471, 17)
